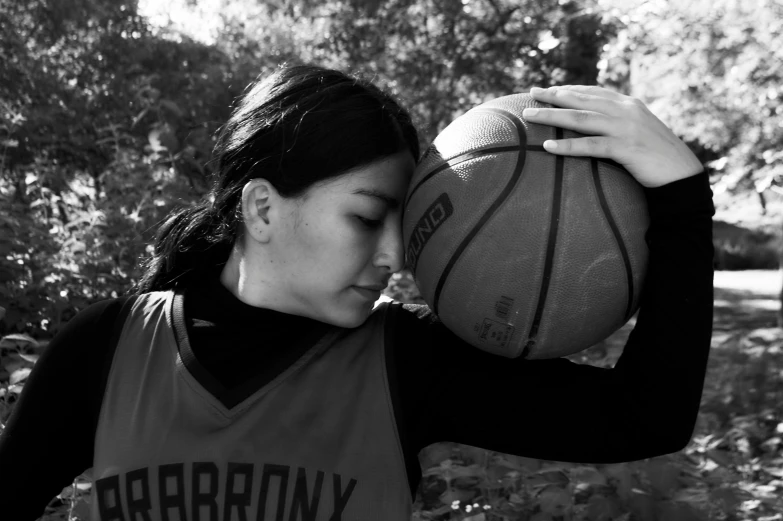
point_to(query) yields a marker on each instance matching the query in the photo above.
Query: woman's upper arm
(48, 439)
(556, 409)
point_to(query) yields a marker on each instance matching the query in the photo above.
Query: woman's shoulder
(91, 329)
(101, 314)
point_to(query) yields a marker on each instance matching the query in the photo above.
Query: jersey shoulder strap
(114, 338)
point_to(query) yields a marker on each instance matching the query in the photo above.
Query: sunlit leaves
(712, 70)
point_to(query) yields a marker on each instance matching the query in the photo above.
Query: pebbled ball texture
(520, 252)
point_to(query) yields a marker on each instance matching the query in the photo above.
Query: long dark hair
(300, 125)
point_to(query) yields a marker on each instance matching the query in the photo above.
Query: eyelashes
(370, 223)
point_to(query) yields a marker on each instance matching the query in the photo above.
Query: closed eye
(370, 223)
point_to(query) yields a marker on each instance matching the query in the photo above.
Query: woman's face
(333, 256)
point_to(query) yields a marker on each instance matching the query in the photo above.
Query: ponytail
(188, 245)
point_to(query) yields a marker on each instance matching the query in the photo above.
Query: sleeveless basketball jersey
(319, 442)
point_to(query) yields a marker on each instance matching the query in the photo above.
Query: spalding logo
(433, 218)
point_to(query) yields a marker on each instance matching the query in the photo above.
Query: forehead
(388, 177)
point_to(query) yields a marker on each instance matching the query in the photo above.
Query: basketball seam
(496, 204)
(475, 154)
(458, 160)
(554, 223)
(616, 231)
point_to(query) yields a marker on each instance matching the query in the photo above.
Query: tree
(712, 70)
(91, 135)
(109, 122)
(440, 57)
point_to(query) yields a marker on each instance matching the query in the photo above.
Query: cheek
(326, 239)
(333, 243)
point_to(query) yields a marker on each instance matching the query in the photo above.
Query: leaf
(601, 508)
(163, 138)
(663, 477)
(477, 517)
(725, 498)
(541, 516)
(516, 498)
(554, 500)
(15, 339)
(675, 511)
(139, 117)
(588, 475)
(497, 472)
(434, 454)
(441, 510)
(721, 475)
(78, 247)
(469, 471)
(473, 454)
(557, 465)
(29, 358)
(537, 481)
(519, 463)
(772, 444)
(622, 474)
(694, 496)
(19, 375)
(777, 472)
(642, 505)
(171, 107)
(721, 457)
(454, 494)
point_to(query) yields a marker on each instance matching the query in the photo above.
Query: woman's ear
(258, 197)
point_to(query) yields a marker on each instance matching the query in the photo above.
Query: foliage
(108, 123)
(713, 71)
(440, 57)
(95, 150)
(739, 248)
(445, 57)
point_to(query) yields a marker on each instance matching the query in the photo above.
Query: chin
(351, 319)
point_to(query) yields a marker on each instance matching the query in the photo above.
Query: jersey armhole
(410, 455)
(117, 328)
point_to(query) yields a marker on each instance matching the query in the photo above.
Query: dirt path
(745, 301)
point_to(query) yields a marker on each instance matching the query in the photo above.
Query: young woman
(252, 377)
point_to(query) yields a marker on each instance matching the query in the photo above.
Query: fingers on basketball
(590, 146)
(570, 98)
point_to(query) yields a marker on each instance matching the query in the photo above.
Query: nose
(391, 253)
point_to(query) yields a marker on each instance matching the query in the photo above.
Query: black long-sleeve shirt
(645, 406)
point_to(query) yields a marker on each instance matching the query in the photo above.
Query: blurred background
(108, 113)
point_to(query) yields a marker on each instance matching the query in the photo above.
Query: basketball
(520, 252)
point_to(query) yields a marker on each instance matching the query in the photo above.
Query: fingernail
(536, 90)
(529, 113)
(550, 145)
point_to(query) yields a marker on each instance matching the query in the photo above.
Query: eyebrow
(369, 192)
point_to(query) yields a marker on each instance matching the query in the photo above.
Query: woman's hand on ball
(618, 127)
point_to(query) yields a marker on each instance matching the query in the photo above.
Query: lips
(369, 291)
(376, 287)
